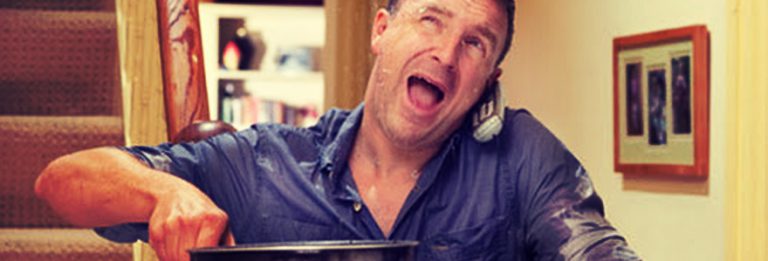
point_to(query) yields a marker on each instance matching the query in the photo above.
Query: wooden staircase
(59, 93)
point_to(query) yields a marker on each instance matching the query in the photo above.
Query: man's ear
(495, 75)
(380, 24)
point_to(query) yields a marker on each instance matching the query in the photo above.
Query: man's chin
(411, 143)
(406, 131)
(414, 138)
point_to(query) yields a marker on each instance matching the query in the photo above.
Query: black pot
(311, 251)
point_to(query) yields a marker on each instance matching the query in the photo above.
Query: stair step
(103, 5)
(58, 62)
(59, 244)
(28, 144)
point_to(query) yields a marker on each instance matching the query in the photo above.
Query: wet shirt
(520, 196)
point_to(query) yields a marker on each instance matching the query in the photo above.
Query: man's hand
(185, 218)
(106, 186)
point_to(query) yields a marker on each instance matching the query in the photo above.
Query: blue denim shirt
(521, 196)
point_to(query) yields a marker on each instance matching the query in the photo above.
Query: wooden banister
(182, 60)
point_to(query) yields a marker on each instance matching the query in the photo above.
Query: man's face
(434, 58)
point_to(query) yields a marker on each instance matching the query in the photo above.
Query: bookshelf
(284, 71)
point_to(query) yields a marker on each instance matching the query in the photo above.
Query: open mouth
(423, 93)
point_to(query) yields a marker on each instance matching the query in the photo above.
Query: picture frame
(661, 103)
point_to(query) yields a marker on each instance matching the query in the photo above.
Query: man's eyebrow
(482, 29)
(432, 8)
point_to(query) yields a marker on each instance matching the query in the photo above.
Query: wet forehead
(488, 15)
(494, 10)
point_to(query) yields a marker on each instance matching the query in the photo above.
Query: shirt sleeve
(211, 165)
(562, 214)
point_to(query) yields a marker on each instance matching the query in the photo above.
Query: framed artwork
(661, 103)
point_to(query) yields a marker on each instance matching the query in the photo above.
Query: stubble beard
(394, 126)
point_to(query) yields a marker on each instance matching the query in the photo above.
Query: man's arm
(565, 215)
(568, 222)
(106, 186)
(562, 214)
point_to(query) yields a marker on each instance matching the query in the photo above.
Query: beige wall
(746, 199)
(560, 69)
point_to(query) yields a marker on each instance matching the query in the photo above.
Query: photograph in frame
(661, 102)
(657, 101)
(634, 99)
(681, 94)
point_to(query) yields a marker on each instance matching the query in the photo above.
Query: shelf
(297, 89)
(296, 93)
(278, 26)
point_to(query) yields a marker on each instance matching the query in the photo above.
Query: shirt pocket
(481, 242)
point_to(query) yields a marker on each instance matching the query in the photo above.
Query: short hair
(508, 5)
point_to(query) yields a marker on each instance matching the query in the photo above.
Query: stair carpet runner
(59, 93)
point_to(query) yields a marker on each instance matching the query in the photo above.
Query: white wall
(560, 69)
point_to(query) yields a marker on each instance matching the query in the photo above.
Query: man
(404, 166)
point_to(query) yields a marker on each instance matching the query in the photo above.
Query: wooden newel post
(181, 54)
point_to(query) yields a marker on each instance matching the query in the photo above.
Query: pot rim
(308, 246)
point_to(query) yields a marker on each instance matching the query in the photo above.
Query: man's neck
(384, 172)
(374, 153)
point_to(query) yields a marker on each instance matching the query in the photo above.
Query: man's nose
(446, 51)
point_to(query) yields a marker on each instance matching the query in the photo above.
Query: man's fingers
(211, 230)
(174, 230)
(172, 236)
(229, 238)
(157, 241)
(209, 236)
(183, 219)
(187, 240)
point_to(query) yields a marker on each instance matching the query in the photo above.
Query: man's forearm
(106, 186)
(100, 187)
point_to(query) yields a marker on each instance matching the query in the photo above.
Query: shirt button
(357, 206)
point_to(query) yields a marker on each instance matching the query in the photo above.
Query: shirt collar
(334, 156)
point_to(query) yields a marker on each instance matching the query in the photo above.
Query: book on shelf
(243, 111)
